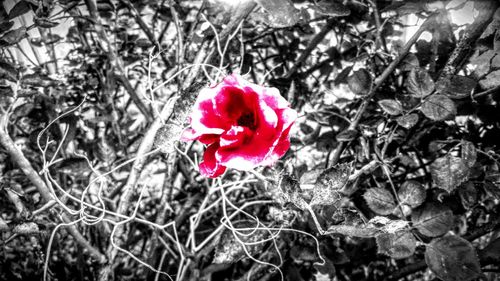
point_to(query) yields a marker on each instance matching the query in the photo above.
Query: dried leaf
(439, 107)
(328, 184)
(288, 191)
(282, 13)
(419, 83)
(407, 121)
(449, 172)
(360, 82)
(391, 107)
(380, 200)
(432, 219)
(412, 193)
(452, 258)
(397, 245)
(230, 250)
(469, 153)
(26, 228)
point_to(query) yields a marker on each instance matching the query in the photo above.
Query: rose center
(247, 120)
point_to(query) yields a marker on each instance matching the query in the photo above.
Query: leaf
(391, 107)
(387, 225)
(380, 200)
(491, 80)
(282, 13)
(355, 231)
(328, 184)
(432, 219)
(406, 7)
(397, 245)
(8, 71)
(229, 250)
(411, 193)
(350, 223)
(439, 107)
(419, 83)
(409, 62)
(45, 23)
(288, 191)
(13, 36)
(5, 25)
(3, 225)
(26, 228)
(452, 258)
(456, 86)
(330, 8)
(449, 172)
(347, 135)
(468, 195)
(469, 153)
(21, 8)
(407, 121)
(282, 216)
(360, 82)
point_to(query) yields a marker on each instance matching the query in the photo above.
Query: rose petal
(204, 118)
(232, 102)
(237, 135)
(210, 167)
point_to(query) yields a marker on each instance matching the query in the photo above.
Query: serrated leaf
(347, 135)
(407, 121)
(452, 258)
(21, 8)
(419, 83)
(380, 200)
(282, 13)
(449, 172)
(469, 153)
(330, 8)
(439, 107)
(397, 245)
(360, 82)
(26, 228)
(391, 107)
(229, 250)
(432, 219)
(412, 193)
(456, 86)
(328, 184)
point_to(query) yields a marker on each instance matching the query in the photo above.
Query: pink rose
(243, 125)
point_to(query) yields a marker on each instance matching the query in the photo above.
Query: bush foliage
(393, 172)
